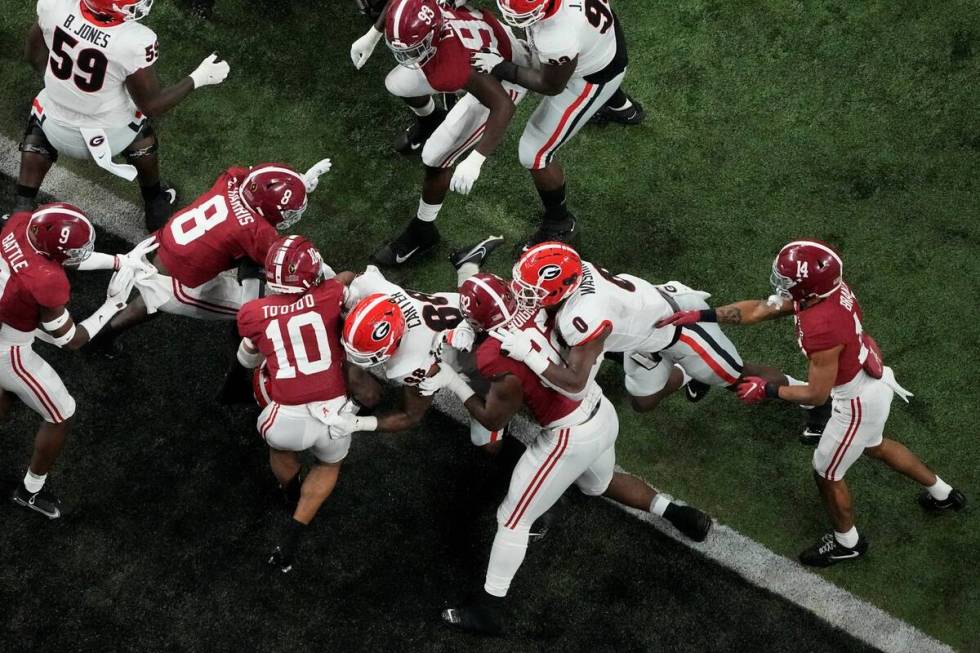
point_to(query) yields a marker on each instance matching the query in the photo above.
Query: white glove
(517, 345)
(362, 48)
(344, 424)
(467, 173)
(120, 285)
(448, 378)
(210, 72)
(460, 338)
(312, 176)
(136, 264)
(485, 62)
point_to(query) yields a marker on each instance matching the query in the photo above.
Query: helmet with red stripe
(805, 269)
(62, 232)
(412, 30)
(523, 13)
(373, 330)
(276, 192)
(293, 265)
(119, 10)
(546, 274)
(486, 301)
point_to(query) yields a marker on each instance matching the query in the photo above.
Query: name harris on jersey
(242, 213)
(87, 32)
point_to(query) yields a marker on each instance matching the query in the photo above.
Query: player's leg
(37, 155)
(317, 486)
(413, 88)
(649, 378)
(158, 201)
(621, 109)
(286, 468)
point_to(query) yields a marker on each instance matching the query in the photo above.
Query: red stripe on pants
(34, 385)
(184, 298)
(561, 124)
(706, 357)
(539, 479)
(847, 441)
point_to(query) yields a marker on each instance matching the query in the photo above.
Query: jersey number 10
(295, 357)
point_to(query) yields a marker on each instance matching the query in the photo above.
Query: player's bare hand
(211, 71)
(361, 49)
(485, 62)
(680, 318)
(467, 173)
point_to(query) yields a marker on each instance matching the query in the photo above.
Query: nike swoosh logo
(402, 259)
(100, 157)
(414, 146)
(845, 557)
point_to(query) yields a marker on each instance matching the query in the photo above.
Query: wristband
(772, 390)
(708, 315)
(505, 71)
(57, 341)
(94, 323)
(537, 361)
(56, 323)
(365, 423)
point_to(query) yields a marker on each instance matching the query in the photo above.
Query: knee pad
(132, 154)
(35, 142)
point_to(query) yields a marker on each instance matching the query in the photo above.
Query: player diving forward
(434, 44)
(100, 86)
(237, 219)
(35, 249)
(576, 444)
(846, 365)
(296, 331)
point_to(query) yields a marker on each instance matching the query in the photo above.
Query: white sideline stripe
(726, 546)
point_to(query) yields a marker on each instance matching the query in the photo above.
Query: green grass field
(855, 122)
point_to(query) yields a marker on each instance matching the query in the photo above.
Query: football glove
(447, 378)
(342, 425)
(120, 285)
(753, 389)
(517, 345)
(680, 318)
(312, 176)
(485, 62)
(461, 338)
(467, 173)
(361, 49)
(210, 72)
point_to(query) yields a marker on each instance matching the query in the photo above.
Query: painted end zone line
(728, 547)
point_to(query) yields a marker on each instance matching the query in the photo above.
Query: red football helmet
(116, 10)
(411, 31)
(546, 274)
(61, 232)
(373, 330)
(805, 269)
(293, 265)
(523, 13)
(276, 192)
(487, 301)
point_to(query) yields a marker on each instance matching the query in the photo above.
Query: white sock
(939, 490)
(428, 212)
(33, 482)
(848, 539)
(465, 271)
(791, 381)
(687, 377)
(659, 505)
(427, 110)
(506, 556)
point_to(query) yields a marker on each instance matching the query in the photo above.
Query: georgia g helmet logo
(381, 331)
(549, 272)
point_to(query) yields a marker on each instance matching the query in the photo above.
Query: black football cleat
(816, 420)
(412, 140)
(690, 521)
(631, 115)
(541, 527)
(695, 390)
(484, 617)
(828, 551)
(955, 501)
(160, 208)
(562, 231)
(280, 560)
(475, 254)
(43, 502)
(417, 239)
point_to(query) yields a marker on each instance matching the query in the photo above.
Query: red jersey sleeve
(449, 70)
(258, 239)
(247, 321)
(819, 334)
(51, 289)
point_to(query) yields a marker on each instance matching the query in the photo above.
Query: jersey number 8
(194, 223)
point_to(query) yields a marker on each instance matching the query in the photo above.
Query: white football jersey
(628, 304)
(88, 63)
(426, 317)
(571, 32)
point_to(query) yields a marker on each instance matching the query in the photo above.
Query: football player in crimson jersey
(236, 220)
(35, 249)
(845, 365)
(100, 86)
(579, 61)
(438, 42)
(296, 331)
(576, 445)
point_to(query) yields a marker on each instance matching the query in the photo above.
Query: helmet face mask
(291, 216)
(780, 284)
(78, 254)
(413, 56)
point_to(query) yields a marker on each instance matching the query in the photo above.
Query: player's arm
(248, 354)
(816, 390)
(550, 79)
(571, 377)
(750, 311)
(505, 398)
(361, 49)
(407, 416)
(492, 95)
(59, 329)
(36, 50)
(154, 100)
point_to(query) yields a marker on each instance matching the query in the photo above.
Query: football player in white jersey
(100, 86)
(598, 312)
(578, 63)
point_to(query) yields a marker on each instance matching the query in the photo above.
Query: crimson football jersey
(834, 321)
(545, 404)
(202, 240)
(299, 335)
(464, 31)
(29, 281)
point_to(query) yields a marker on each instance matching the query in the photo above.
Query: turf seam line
(726, 546)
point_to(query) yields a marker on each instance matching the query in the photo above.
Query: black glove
(284, 554)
